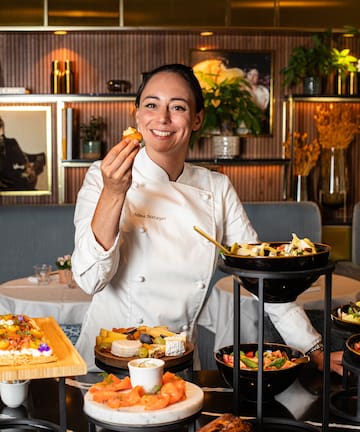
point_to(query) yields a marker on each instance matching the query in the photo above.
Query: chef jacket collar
(148, 168)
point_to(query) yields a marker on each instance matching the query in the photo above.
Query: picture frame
(256, 66)
(25, 150)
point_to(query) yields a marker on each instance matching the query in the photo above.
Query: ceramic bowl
(352, 327)
(282, 289)
(349, 347)
(274, 381)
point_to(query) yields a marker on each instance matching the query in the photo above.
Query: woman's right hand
(117, 165)
(116, 172)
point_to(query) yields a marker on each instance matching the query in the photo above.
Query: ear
(199, 117)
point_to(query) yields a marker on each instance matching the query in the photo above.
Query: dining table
(66, 304)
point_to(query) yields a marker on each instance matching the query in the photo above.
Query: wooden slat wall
(100, 56)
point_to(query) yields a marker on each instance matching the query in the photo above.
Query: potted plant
(90, 134)
(230, 110)
(310, 65)
(345, 67)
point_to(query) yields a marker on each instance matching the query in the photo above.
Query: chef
(135, 247)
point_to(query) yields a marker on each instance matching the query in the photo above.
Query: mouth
(161, 133)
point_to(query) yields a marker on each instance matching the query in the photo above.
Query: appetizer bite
(132, 134)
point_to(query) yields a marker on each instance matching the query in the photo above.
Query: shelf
(53, 98)
(323, 98)
(238, 161)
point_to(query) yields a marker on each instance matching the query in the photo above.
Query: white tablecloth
(25, 296)
(218, 313)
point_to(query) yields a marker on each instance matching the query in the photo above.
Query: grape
(143, 352)
(159, 340)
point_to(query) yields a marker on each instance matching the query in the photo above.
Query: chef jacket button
(139, 321)
(205, 197)
(201, 285)
(142, 229)
(140, 278)
(185, 327)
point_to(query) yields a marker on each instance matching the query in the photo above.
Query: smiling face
(166, 115)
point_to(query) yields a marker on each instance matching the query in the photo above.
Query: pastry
(132, 133)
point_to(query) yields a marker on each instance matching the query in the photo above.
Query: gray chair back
(355, 253)
(277, 220)
(33, 235)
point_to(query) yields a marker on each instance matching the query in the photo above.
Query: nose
(164, 115)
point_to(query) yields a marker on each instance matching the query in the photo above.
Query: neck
(171, 163)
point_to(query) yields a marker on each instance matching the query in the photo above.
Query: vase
(334, 177)
(313, 86)
(91, 150)
(301, 188)
(66, 277)
(225, 146)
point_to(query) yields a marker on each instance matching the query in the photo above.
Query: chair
(352, 268)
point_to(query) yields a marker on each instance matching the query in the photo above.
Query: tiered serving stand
(278, 424)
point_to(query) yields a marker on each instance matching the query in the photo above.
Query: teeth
(161, 133)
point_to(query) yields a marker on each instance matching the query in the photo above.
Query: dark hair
(185, 72)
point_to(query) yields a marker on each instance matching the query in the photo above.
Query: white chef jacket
(158, 270)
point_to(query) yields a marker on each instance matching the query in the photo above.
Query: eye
(179, 108)
(150, 105)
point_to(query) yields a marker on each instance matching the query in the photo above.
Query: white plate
(137, 416)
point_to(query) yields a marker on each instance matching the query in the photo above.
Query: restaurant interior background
(121, 39)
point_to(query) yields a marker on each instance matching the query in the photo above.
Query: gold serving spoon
(212, 240)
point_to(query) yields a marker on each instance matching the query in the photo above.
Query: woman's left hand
(317, 357)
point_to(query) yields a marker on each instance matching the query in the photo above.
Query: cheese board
(68, 363)
(109, 359)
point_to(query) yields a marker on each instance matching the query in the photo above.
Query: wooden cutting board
(69, 362)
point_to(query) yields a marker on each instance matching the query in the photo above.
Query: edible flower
(43, 347)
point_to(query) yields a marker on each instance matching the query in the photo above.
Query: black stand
(261, 276)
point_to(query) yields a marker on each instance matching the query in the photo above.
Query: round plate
(344, 325)
(122, 362)
(137, 416)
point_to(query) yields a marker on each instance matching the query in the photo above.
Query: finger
(120, 152)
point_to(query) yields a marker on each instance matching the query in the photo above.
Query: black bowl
(282, 289)
(349, 347)
(352, 327)
(274, 381)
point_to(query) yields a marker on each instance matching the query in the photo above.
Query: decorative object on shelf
(90, 135)
(345, 69)
(68, 78)
(310, 65)
(56, 77)
(230, 111)
(304, 155)
(336, 129)
(120, 86)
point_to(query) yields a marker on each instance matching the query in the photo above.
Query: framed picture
(25, 150)
(256, 67)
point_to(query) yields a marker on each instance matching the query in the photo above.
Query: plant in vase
(345, 67)
(230, 110)
(309, 64)
(90, 134)
(63, 265)
(336, 126)
(304, 155)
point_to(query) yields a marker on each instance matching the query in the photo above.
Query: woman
(135, 247)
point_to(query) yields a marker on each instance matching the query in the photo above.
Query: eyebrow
(172, 99)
